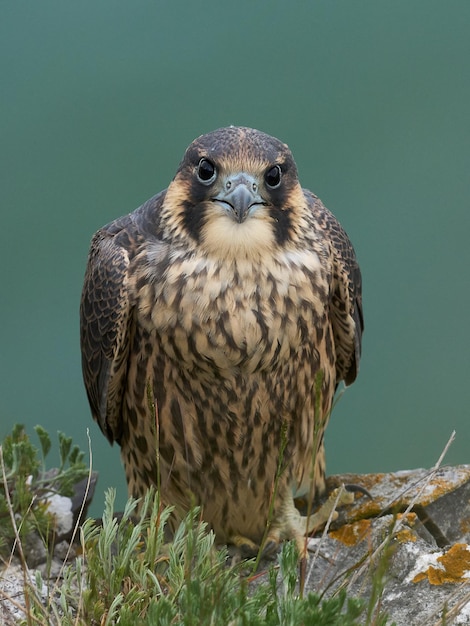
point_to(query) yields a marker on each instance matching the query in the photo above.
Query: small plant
(128, 575)
(26, 485)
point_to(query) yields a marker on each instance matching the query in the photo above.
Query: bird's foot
(327, 512)
(290, 525)
(241, 548)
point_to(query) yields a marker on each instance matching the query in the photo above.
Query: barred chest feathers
(240, 313)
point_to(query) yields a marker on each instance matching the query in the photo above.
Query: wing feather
(105, 313)
(117, 250)
(346, 293)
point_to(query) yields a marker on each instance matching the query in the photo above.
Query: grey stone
(415, 528)
(421, 521)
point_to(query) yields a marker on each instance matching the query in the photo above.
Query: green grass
(127, 574)
(26, 483)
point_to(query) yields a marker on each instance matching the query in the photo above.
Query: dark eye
(273, 177)
(206, 171)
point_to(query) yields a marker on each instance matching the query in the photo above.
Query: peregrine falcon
(217, 321)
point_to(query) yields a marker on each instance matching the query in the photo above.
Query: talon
(338, 497)
(270, 549)
(358, 489)
(241, 547)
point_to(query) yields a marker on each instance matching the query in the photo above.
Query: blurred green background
(99, 101)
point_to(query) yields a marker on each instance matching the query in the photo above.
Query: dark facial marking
(282, 223)
(243, 144)
(194, 217)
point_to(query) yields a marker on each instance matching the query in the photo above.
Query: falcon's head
(236, 192)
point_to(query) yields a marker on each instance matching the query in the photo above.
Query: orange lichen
(455, 567)
(442, 486)
(369, 508)
(351, 534)
(368, 481)
(421, 576)
(465, 525)
(406, 534)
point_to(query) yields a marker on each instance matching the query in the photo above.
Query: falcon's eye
(206, 171)
(273, 177)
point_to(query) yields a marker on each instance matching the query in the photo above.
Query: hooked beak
(240, 196)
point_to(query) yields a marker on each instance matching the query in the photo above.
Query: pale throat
(225, 238)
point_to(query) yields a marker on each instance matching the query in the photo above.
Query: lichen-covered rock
(410, 541)
(437, 496)
(417, 525)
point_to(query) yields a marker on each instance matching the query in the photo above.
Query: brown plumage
(235, 296)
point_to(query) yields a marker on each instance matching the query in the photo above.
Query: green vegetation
(127, 574)
(26, 485)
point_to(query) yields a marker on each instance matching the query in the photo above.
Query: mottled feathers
(235, 296)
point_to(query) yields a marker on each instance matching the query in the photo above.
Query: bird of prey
(234, 296)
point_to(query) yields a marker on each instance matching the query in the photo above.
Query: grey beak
(240, 194)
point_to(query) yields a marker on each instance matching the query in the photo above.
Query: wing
(346, 297)
(105, 314)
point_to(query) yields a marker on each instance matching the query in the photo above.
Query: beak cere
(239, 196)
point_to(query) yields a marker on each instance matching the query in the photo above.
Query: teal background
(99, 100)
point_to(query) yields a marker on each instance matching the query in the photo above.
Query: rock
(12, 600)
(61, 509)
(431, 494)
(415, 529)
(64, 551)
(408, 545)
(70, 511)
(67, 513)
